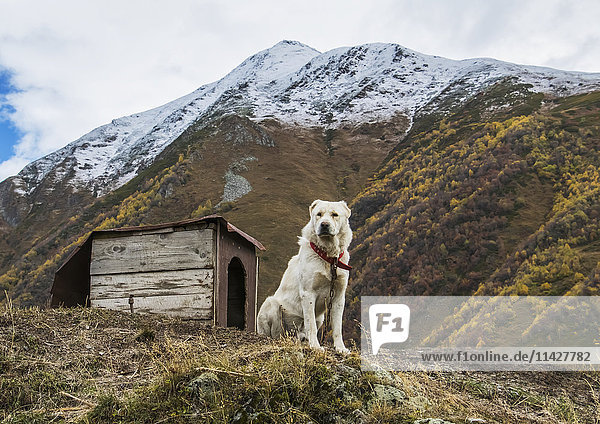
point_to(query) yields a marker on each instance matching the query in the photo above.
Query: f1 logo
(389, 324)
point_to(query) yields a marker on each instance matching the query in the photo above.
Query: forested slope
(501, 197)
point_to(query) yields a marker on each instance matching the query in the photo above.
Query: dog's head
(328, 219)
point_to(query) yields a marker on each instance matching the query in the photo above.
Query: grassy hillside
(96, 366)
(486, 202)
(498, 196)
(287, 168)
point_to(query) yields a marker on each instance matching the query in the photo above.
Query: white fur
(303, 293)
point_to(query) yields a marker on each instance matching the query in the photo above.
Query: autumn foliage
(508, 206)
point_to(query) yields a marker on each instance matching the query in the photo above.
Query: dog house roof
(230, 227)
(215, 218)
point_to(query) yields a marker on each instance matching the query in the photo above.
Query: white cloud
(79, 64)
(12, 166)
(533, 32)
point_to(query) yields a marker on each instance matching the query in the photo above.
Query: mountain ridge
(291, 82)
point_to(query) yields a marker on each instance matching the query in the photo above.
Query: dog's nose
(325, 227)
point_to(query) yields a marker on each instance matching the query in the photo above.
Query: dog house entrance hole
(236, 294)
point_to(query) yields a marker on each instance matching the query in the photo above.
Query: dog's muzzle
(325, 229)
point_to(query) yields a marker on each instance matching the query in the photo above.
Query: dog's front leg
(337, 311)
(308, 300)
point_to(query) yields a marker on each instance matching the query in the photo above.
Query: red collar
(332, 260)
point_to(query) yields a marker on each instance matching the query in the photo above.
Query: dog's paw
(318, 348)
(343, 350)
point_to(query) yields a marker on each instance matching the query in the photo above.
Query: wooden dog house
(201, 268)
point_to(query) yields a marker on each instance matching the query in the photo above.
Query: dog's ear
(312, 206)
(346, 207)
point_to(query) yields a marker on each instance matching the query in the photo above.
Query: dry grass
(98, 366)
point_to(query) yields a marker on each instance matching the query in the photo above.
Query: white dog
(319, 268)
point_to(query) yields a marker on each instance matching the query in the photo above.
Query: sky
(69, 66)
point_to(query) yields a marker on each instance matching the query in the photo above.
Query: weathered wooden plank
(191, 305)
(141, 232)
(159, 283)
(153, 252)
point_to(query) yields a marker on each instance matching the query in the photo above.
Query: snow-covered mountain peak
(293, 83)
(271, 64)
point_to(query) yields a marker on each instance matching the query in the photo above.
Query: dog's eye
(334, 214)
(319, 214)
